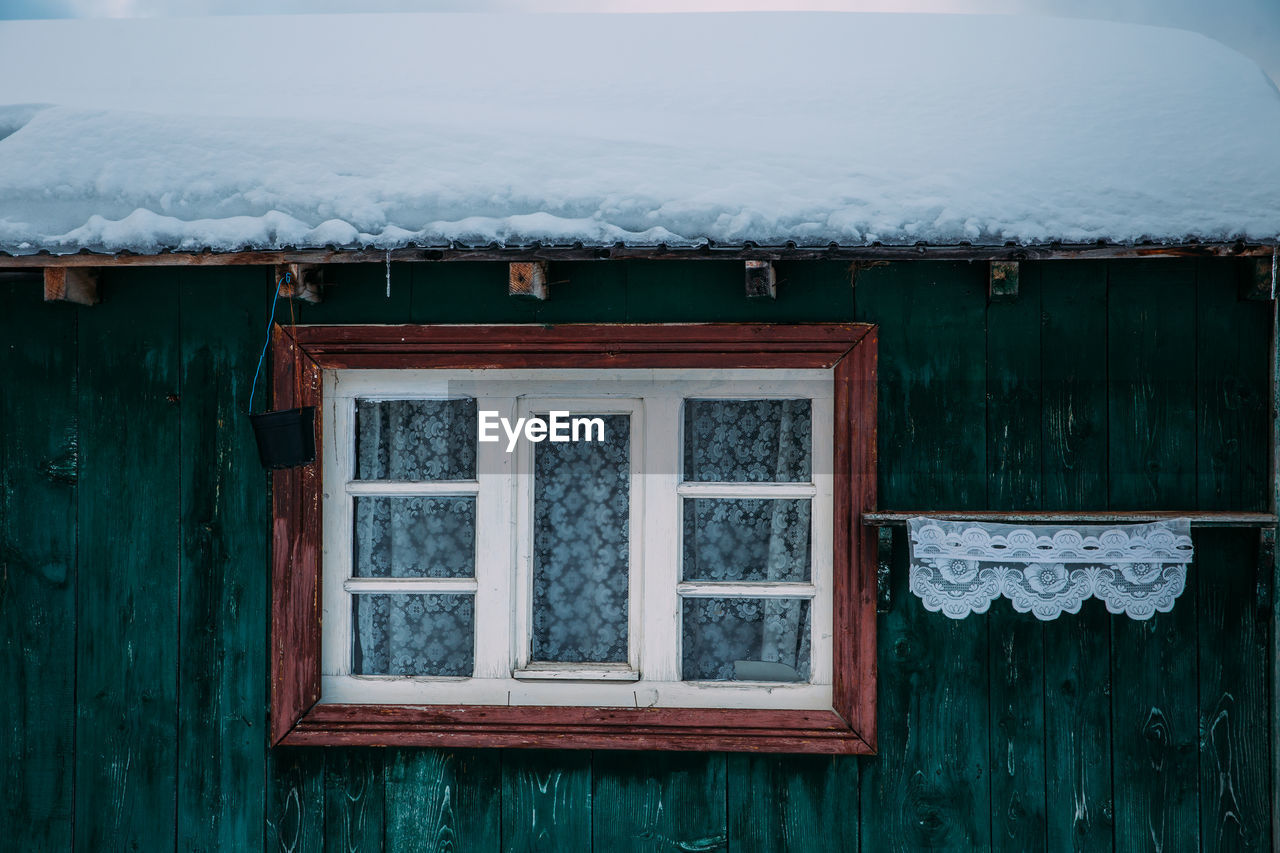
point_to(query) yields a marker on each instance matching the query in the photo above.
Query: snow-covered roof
(391, 130)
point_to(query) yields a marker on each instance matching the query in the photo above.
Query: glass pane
(415, 439)
(581, 512)
(419, 537)
(740, 539)
(413, 634)
(746, 639)
(747, 441)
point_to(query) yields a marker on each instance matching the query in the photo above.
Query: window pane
(746, 639)
(413, 634)
(747, 441)
(581, 510)
(417, 537)
(746, 539)
(416, 439)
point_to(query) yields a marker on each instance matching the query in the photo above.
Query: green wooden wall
(134, 584)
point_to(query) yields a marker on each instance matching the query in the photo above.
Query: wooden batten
(71, 284)
(301, 281)
(1002, 281)
(761, 281)
(527, 280)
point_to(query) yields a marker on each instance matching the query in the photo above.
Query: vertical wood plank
(38, 472)
(648, 801)
(439, 800)
(1152, 427)
(1077, 660)
(1014, 457)
(546, 801)
(929, 786)
(127, 614)
(353, 805)
(295, 800)
(223, 601)
(1233, 422)
(783, 803)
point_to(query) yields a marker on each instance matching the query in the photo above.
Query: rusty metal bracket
(884, 590)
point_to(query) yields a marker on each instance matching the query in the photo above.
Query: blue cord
(267, 342)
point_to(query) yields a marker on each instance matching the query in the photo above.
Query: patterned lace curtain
(736, 540)
(960, 567)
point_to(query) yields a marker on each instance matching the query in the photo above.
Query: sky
(1249, 26)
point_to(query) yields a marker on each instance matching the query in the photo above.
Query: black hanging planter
(287, 438)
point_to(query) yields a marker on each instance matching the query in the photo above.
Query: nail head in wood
(71, 284)
(1002, 281)
(527, 280)
(762, 281)
(304, 281)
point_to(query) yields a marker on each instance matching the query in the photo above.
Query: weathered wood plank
(546, 801)
(654, 802)
(1152, 428)
(221, 701)
(38, 472)
(441, 800)
(353, 800)
(127, 613)
(784, 803)
(916, 252)
(1077, 662)
(929, 787)
(295, 801)
(1232, 588)
(1014, 461)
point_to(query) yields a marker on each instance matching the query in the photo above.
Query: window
(590, 536)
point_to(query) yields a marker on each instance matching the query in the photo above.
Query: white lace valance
(960, 567)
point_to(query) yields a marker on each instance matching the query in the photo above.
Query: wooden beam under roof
(528, 254)
(71, 284)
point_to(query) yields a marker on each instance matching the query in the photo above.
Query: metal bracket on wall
(884, 590)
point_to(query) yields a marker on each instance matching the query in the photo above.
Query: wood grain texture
(655, 802)
(295, 550)
(546, 801)
(353, 800)
(1232, 587)
(1077, 659)
(127, 626)
(1014, 455)
(295, 820)
(441, 801)
(779, 804)
(221, 706)
(1152, 429)
(929, 786)
(39, 468)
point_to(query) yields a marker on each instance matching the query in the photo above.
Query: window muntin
(777, 605)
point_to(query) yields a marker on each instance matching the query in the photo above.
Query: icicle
(389, 274)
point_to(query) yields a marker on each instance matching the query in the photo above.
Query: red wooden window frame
(299, 356)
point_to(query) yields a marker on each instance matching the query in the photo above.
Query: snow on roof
(386, 130)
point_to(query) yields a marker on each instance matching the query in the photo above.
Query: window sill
(749, 730)
(558, 672)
